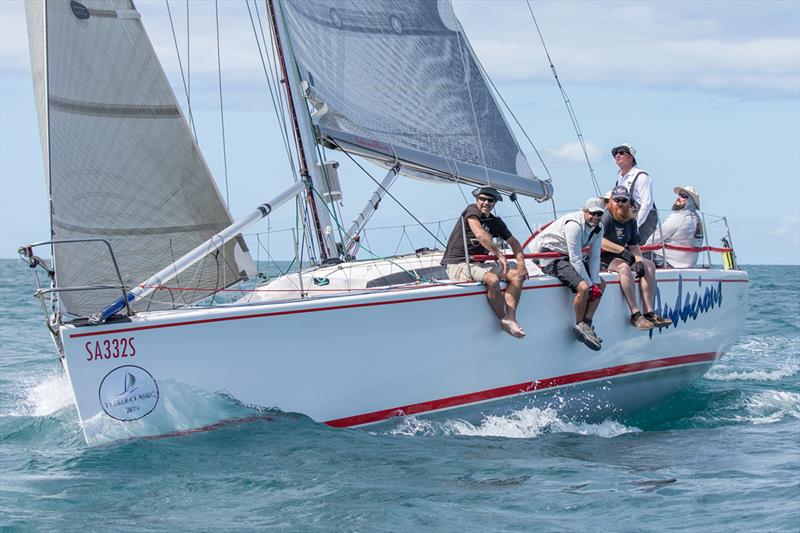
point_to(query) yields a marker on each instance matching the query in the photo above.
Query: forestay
(396, 81)
(120, 160)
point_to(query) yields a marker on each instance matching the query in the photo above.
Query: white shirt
(683, 228)
(643, 193)
(568, 235)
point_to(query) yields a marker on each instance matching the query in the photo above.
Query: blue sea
(723, 455)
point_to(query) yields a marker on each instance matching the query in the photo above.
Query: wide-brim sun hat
(488, 191)
(688, 189)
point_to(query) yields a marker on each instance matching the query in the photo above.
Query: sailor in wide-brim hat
(689, 191)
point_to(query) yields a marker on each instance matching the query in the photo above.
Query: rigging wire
(385, 190)
(180, 67)
(412, 272)
(472, 107)
(188, 60)
(281, 112)
(514, 116)
(284, 133)
(221, 107)
(567, 102)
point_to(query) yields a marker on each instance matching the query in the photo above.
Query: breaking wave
(522, 424)
(768, 407)
(726, 373)
(42, 396)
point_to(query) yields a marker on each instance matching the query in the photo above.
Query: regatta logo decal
(128, 393)
(688, 305)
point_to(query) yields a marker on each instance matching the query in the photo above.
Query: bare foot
(512, 328)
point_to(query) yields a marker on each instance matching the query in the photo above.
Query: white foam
(759, 359)
(43, 396)
(768, 407)
(725, 373)
(522, 424)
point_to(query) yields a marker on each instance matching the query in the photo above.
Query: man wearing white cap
(569, 235)
(683, 227)
(640, 188)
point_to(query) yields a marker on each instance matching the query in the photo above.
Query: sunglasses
(595, 213)
(683, 195)
(487, 199)
(621, 200)
(617, 152)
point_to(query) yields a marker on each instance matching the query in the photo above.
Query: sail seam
(139, 230)
(113, 110)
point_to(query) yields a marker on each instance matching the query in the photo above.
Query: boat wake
(754, 359)
(525, 423)
(771, 406)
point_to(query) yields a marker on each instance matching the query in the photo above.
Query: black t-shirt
(623, 234)
(493, 225)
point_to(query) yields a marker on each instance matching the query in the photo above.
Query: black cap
(488, 191)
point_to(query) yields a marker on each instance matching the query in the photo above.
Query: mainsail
(120, 160)
(396, 81)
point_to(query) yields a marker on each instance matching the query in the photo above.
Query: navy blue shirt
(624, 234)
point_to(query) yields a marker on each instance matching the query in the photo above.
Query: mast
(310, 169)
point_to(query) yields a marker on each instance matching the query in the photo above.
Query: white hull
(361, 358)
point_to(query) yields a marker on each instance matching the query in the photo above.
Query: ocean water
(723, 455)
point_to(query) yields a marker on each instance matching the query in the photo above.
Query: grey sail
(120, 160)
(396, 80)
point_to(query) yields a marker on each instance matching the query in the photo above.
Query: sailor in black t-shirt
(621, 254)
(477, 226)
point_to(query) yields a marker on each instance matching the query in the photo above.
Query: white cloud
(788, 227)
(702, 45)
(573, 153)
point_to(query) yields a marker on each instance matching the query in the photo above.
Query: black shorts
(562, 269)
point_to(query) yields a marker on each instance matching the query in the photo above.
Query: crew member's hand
(595, 293)
(503, 264)
(627, 256)
(522, 269)
(638, 269)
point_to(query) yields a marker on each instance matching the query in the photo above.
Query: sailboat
(142, 241)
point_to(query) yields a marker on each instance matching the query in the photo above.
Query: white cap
(625, 147)
(593, 205)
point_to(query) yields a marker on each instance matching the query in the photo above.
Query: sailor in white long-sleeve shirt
(568, 235)
(683, 227)
(640, 188)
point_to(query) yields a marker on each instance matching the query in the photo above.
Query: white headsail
(120, 160)
(396, 81)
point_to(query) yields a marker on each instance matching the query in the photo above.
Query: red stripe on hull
(521, 388)
(335, 308)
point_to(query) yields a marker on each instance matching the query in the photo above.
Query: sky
(707, 91)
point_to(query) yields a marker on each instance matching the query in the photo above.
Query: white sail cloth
(120, 160)
(396, 81)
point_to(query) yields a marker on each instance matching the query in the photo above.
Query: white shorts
(458, 271)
